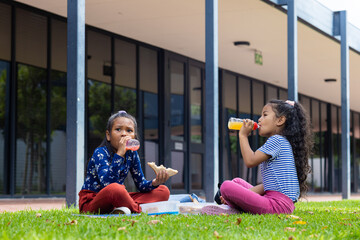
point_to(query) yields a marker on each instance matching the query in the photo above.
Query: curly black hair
(298, 132)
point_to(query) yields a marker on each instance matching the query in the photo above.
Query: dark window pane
(177, 162)
(99, 113)
(271, 93)
(31, 38)
(5, 32)
(31, 130)
(148, 70)
(58, 107)
(177, 100)
(196, 166)
(258, 98)
(99, 58)
(99, 87)
(125, 99)
(151, 117)
(4, 75)
(125, 64)
(244, 112)
(151, 135)
(125, 77)
(316, 169)
(59, 46)
(283, 94)
(305, 102)
(196, 104)
(356, 162)
(244, 96)
(58, 133)
(336, 147)
(230, 162)
(31, 56)
(149, 87)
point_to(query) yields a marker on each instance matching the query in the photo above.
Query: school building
(149, 58)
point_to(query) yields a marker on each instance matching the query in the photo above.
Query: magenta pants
(236, 193)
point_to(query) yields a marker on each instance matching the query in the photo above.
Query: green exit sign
(258, 58)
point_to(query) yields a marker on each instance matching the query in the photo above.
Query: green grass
(316, 220)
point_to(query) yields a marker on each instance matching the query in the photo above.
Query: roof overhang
(179, 26)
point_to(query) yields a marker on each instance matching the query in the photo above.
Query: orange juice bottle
(237, 123)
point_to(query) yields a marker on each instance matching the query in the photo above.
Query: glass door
(183, 114)
(196, 130)
(178, 126)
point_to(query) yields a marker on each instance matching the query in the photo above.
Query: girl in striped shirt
(283, 160)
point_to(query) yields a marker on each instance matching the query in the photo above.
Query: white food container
(164, 207)
(192, 208)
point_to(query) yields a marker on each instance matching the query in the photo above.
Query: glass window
(148, 70)
(244, 97)
(99, 58)
(283, 94)
(5, 55)
(31, 133)
(316, 164)
(5, 32)
(177, 162)
(230, 155)
(125, 77)
(125, 64)
(355, 168)
(4, 75)
(58, 108)
(336, 147)
(244, 112)
(196, 104)
(257, 140)
(258, 99)
(58, 133)
(305, 102)
(271, 93)
(323, 145)
(31, 48)
(177, 81)
(31, 38)
(151, 133)
(196, 166)
(125, 99)
(99, 88)
(58, 45)
(125, 85)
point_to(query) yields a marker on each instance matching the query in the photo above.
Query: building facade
(162, 88)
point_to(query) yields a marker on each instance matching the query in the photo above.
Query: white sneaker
(121, 210)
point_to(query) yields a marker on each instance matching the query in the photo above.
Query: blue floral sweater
(102, 170)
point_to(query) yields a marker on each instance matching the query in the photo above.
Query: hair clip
(122, 112)
(292, 103)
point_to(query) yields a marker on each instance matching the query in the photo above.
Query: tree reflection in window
(31, 129)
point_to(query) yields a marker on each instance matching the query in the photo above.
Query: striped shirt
(279, 171)
(102, 170)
